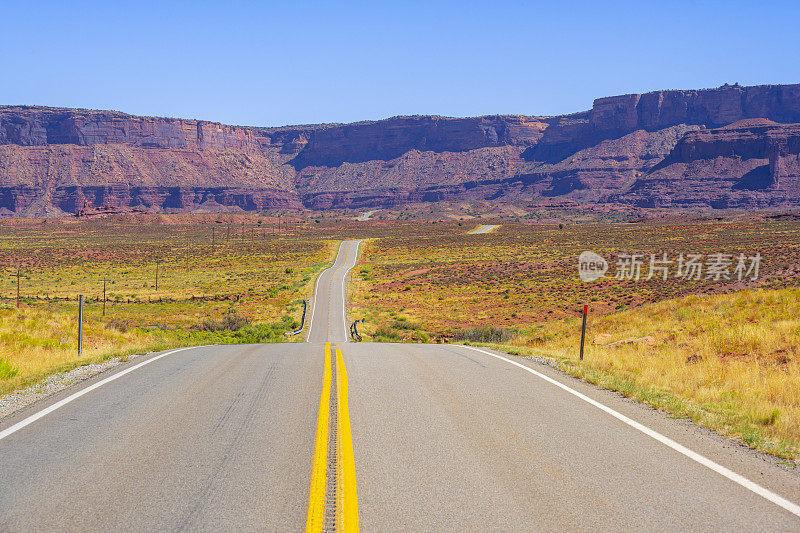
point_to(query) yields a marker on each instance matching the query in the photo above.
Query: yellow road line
(347, 495)
(346, 504)
(316, 498)
(330, 287)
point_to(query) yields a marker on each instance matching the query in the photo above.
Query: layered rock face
(727, 147)
(60, 160)
(616, 116)
(747, 164)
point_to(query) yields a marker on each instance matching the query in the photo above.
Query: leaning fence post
(583, 328)
(80, 325)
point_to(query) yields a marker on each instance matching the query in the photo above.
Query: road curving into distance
(385, 437)
(328, 321)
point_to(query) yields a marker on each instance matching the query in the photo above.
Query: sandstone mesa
(729, 147)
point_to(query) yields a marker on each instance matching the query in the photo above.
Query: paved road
(328, 316)
(363, 217)
(216, 438)
(443, 438)
(485, 228)
(447, 438)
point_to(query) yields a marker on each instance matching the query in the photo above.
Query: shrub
(230, 322)
(386, 335)
(244, 332)
(7, 370)
(402, 323)
(483, 334)
(120, 325)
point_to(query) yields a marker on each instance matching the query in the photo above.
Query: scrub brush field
(721, 350)
(171, 280)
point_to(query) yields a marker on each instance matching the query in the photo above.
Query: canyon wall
(730, 147)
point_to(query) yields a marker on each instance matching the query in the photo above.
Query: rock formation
(730, 147)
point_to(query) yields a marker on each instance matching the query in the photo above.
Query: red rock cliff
(626, 149)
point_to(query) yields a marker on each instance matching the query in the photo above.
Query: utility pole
(213, 239)
(188, 243)
(80, 325)
(17, 286)
(104, 297)
(157, 262)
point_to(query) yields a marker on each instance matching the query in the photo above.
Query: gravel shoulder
(13, 402)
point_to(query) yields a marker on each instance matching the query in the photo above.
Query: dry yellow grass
(728, 361)
(36, 342)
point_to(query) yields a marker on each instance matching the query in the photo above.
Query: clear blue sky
(264, 63)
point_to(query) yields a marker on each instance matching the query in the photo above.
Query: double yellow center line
(330, 288)
(340, 506)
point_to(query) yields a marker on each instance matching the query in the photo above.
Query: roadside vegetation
(729, 362)
(221, 279)
(724, 353)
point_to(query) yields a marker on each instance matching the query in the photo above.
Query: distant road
(328, 322)
(486, 228)
(437, 437)
(365, 216)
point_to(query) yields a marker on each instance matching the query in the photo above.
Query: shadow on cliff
(755, 180)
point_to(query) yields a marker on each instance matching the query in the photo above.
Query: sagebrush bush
(483, 334)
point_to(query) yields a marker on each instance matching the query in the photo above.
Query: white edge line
(344, 288)
(731, 475)
(314, 303)
(316, 288)
(34, 417)
(344, 284)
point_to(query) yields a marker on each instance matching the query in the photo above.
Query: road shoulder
(775, 474)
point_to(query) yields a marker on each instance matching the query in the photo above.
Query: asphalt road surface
(485, 228)
(443, 438)
(328, 321)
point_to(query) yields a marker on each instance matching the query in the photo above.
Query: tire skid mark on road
(227, 413)
(255, 405)
(463, 356)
